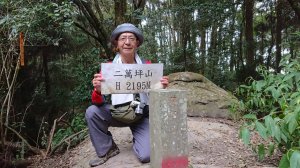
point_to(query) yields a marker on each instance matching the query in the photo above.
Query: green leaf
(292, 125)
(261, 151)
(284, 87)
(250, 116)
(271, 149)
(276, 93)
(297, 110)
(245, 135)
(284, 162)
(297, 77)
(270, 124)
(260, 84)
(284, 138)
(289, 76)
(295, 94)
(289, 117)
(277, 133)
(261, 130)
(270, 88)
(295, 159)
(4, 19)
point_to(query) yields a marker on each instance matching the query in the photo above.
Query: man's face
(127, 43)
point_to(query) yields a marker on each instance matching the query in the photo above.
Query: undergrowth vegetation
(271, 107)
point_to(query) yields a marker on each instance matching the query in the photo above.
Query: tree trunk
(174, 28)
(120, 11)
(249, 5)
(240, 54)
(271, 45)
(232, 48)
(212, 57)
(202, 49)
(138, 7)
(183, 33)
(262, 39)
(45, 56)
(278, 34)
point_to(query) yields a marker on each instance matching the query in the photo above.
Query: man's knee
(94, 112)
(143, 154)
(91, 111)
(145, 158)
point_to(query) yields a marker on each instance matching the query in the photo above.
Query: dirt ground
(213, 143)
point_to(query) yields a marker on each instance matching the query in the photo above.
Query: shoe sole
(114, 153)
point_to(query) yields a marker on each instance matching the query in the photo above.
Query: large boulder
(205, 99)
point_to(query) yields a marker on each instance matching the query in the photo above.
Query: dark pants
(99, 119)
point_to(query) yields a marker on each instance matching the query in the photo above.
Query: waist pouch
(124, 113)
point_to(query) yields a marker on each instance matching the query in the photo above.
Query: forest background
(248, 47)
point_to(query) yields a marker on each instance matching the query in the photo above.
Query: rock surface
(205, 99)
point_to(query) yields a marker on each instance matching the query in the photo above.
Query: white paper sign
(130, 78)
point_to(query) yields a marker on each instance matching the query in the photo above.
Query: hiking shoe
(113, 151)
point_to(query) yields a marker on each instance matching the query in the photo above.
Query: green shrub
(272, 108)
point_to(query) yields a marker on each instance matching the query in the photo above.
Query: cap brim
(121, 30)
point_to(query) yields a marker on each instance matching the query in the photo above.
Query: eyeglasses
(124, 39)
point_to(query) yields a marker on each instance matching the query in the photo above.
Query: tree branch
(87, 32)
(89, 14)
(50, 138)
(32, 148)
(98, 9)
(92, 18)
(67, 139)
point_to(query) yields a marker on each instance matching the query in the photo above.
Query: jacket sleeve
(97, 98)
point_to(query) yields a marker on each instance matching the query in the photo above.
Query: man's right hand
(97, 82)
